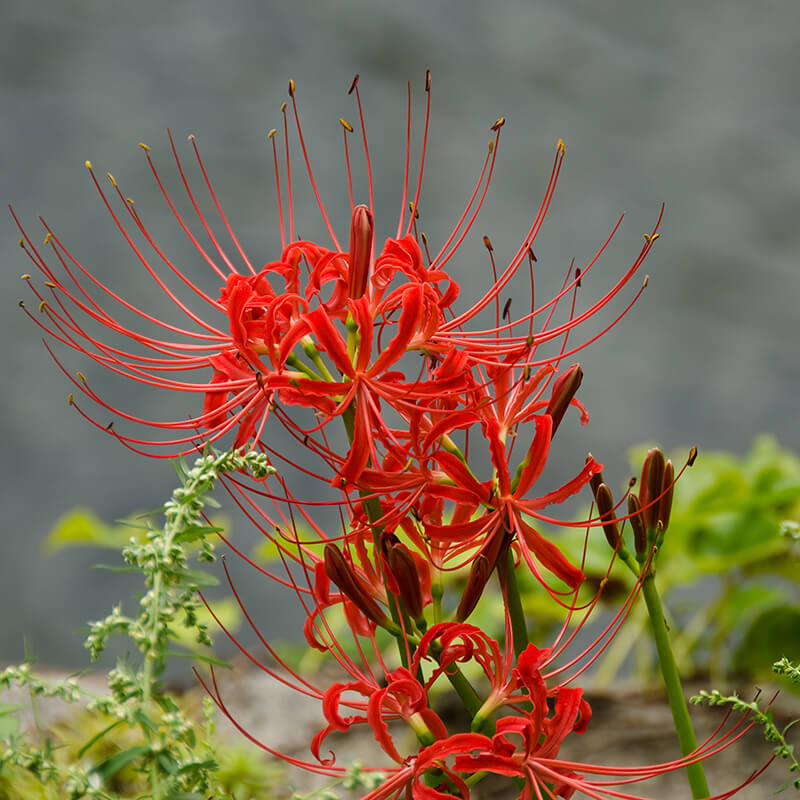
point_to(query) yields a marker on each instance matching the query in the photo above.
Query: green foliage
(81, 527)
(727, 571)
(356, 778)
(156, 750)
(772, 733)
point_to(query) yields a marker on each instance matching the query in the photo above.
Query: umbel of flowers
(425, 421)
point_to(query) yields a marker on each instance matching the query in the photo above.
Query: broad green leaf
(83, 528)
(266, 551)
(9, 724)
(775, 633)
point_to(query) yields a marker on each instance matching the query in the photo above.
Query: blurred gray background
(693, 105)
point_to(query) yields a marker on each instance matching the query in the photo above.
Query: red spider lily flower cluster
(320, 340)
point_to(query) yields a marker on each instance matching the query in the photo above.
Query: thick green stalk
(519, 629)
(464, 689)
(672, 681)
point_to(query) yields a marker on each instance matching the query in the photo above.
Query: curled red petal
(549, 556)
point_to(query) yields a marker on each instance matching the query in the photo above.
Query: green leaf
(97, 737)
(167, 763)
(194, 577)
(115, 568)
(195, 532)
(266, 551)
(83, 528)
(770, 637)
(167, 703)
(9, 724)
(208, 763)
(145, 721)
(113, 765)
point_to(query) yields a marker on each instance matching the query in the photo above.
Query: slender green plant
(165, 752)
(783, 749)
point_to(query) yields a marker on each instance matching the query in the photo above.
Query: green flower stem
(519, 630)
(672, 681)
(464, 689)
(437, 591)
(148, 674)
(293, 361)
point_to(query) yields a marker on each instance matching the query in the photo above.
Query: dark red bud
(406, 575)
(596, 479)
(665, 505)
(479, 576)
(352, 586)
(361, 234)
(651, 485)
(564, 389)
(483, 565)
(605, 505)
(638, 525)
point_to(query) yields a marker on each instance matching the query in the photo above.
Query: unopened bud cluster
(648, 511)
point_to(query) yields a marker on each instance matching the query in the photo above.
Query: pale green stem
(147, 678)
(519, 629)
(672, 682)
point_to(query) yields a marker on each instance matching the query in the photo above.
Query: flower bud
(482, 567)
(352, 586)
(667, 487)
(638, 525)
(651, 485)
(564, 389)
(605, 505)
(479, 576)
(403, 569)
(596, 479)
(361, 234)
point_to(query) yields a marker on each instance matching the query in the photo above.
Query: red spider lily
(505, 499)
(326, 331)
(264, 340)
